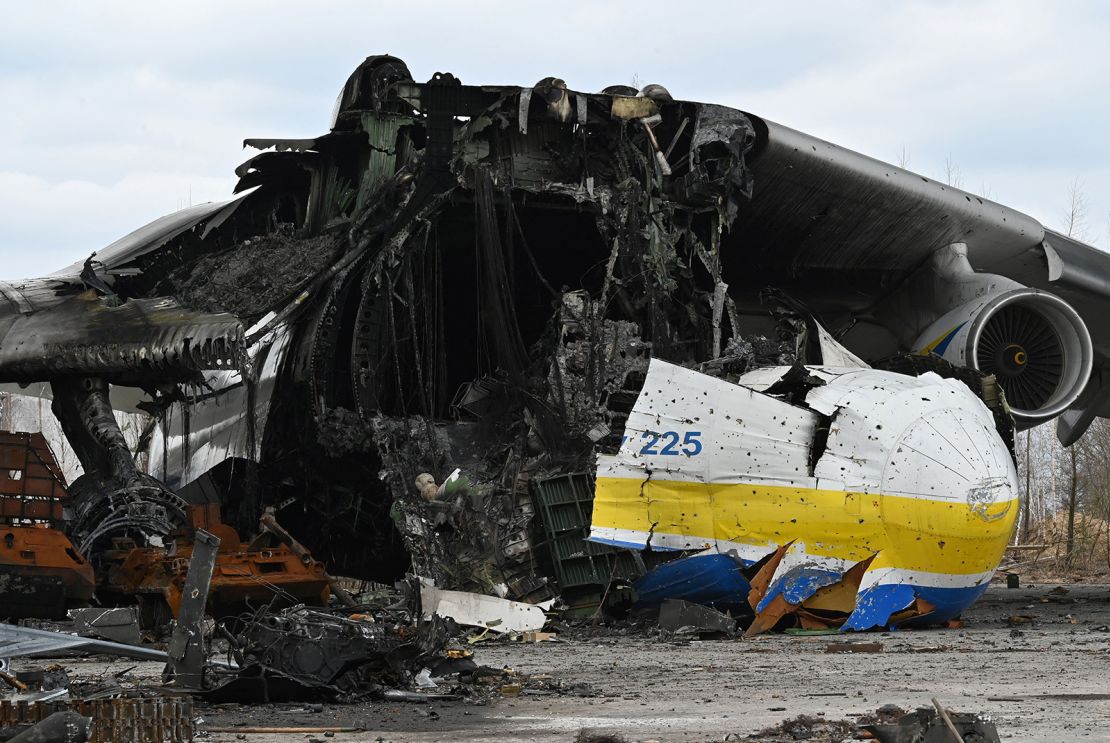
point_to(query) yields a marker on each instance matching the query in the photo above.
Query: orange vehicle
(263, 571)
(41, 573)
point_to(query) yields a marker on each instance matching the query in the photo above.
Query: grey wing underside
(824, 216)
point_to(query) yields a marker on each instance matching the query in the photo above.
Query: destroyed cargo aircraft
(472, 325)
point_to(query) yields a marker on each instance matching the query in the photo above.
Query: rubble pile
(888, 724)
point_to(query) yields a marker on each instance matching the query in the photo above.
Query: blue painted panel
(875, 605)
(949, 603)
(798, 584)
(710, 580)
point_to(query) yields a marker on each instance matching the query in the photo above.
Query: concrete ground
(1046, 678)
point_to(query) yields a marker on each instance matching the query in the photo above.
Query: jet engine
(1032, 341)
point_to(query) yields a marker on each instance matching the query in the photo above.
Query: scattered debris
(938, 725)
(288, 730)
(475, 610)
(854, 647)
(188, 648)
(16, 642)
(588, 736)
(266, 570)
(808, 728)
(120, 624)
(122, 719)
(888, 724)
(683, 617)
(61, 727)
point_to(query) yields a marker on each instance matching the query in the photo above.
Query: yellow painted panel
(908, 533)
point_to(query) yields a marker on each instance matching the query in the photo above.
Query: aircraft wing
(845, 232)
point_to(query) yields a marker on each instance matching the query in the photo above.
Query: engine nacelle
(1032, 341)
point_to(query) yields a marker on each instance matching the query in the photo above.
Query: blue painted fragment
(949, 603)
(798, 584)
(874, 606)
(710, 579)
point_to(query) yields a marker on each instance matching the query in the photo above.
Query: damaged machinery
(41, 572)
(402, 337)
(265, 571)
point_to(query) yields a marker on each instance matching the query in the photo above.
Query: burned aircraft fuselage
(454, 275)
(472, 277)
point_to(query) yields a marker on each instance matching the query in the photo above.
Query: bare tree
(1073, 500)
(952, 174)
(1027, 501)
(904, 158)
(1075, 225)
(1075, 214)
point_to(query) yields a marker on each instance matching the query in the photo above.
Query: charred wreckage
(531, 342)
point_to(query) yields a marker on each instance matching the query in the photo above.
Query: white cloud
(114, 111)
(54, 223)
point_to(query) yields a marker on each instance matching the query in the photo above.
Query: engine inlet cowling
(1032, 341)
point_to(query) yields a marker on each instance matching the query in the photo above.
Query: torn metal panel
(475, 610)
(687, 436)
(16, 642)
(710, 579)
(932, 491)
(280, 144)
(188, 648)
(682, 616)
(834, 353)
(152, 236)
(97, 336)
(193, 439)
(119, 624)
(819, 598)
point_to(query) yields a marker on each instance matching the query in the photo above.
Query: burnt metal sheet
(676, 615)
(187, 647)
(16, 642)
(156, 234)
(281, 145)
(96, 336)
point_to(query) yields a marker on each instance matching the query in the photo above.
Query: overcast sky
(113, 114)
